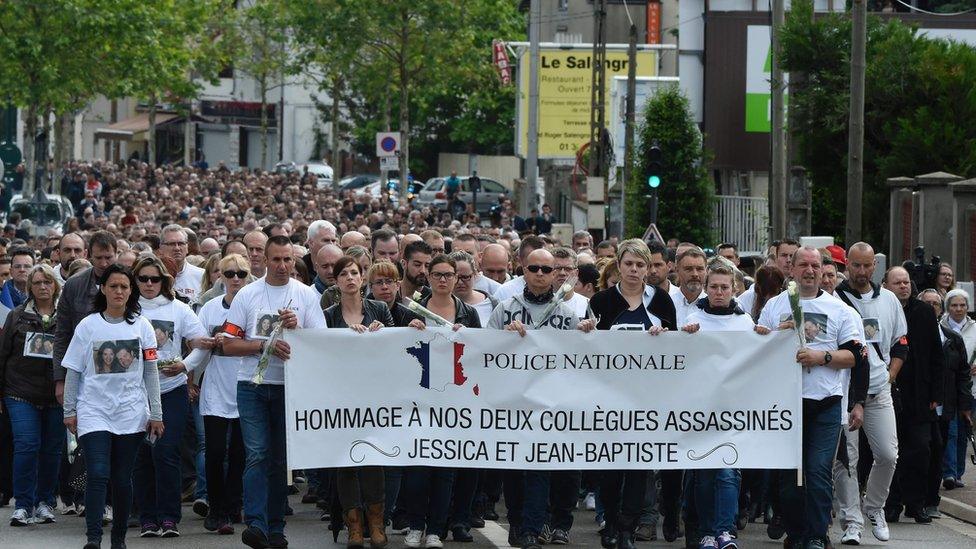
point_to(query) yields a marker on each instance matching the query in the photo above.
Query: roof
(130, 128)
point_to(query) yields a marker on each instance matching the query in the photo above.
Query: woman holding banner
(716, 491)
(629, 305)
(359, 485)
(427, 490)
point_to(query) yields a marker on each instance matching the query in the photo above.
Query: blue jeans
(262, 410)
(109, 456)
(427, 491)
(527, 500)
(201, 455)
(717, 500)
(954, 460)
(806, 509)
(38, 434)
(158, 474)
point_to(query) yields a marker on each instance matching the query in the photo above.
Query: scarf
(540, 299)
(956, 326)
(154, 303)
(732, 309)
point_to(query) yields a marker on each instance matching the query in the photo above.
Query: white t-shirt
(112, 396)
(172, 323)
(747, 299)
(218, 394)
(708, 322)
(485, 284)
(883, 323)
(511, 288)
(189, 283)
(254, 313)
(827, 325)
(484, 311)
(579, 304)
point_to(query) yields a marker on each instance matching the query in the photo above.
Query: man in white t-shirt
(256, 309)
(173, 245)
(691, 282)
(566, 267)
(885, 328)
(831, 346)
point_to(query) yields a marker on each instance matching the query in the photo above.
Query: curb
(958, 510)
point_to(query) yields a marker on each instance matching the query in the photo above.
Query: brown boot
(354, 522)
(377, 526)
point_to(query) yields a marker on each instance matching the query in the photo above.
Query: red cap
(837, 254)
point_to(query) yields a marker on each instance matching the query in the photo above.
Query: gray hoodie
(516, 308)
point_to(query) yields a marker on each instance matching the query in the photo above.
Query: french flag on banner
(440, 363)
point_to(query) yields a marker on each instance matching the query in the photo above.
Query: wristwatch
(827, 358)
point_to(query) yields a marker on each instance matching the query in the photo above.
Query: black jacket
(609, 304)
(26, 378)
(372, 310)
(958, 382)
(464, 314)
(75, 303)
(402, 315)
(921, 379)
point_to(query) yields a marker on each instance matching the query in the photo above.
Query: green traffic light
(654, 181)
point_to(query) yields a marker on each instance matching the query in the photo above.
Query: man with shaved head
(325, 258)
(494, 263)
(921, 385)
(352, 238)
(517, 284)
(70, 248)
(884, 326)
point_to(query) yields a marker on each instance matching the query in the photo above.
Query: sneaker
(201, 507)
(277, 540)
(879, 527)
(400, 525)
(933, 512)
(646, 532)
(92, 545)
(589, 502)
(461, 533)
(253, 537)
(225, 529)
(545, 536)
(21, 518)
(44, 514)
(80, 509)
(414, 538)
(169, 530)
(69, 510)
(433, 541)
(107, 515)
(920, 516)
(708, 542)
(559, 537)
(852, 535)
(949, 483)
(815, 543)
(149, 530)
(212, 523)
(529, 541)
(726, 540)
(774, 528)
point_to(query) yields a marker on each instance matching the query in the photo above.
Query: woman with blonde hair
(211, 272)
(609, 273)
(27, 390)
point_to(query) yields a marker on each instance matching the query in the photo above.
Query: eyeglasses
(149, 279)
(442, 276)
(565, 269)
(383, 282)
(465, 278)
(546, 269)
(239, 274)
(179, 243)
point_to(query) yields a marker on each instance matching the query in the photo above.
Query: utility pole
(778, 171)
(531, 171)
(597, 114)
(855, 144)
(630, 116)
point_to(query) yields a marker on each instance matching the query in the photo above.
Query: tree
(918, 104)
(685, 194)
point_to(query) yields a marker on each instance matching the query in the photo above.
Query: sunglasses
(239, 274)
(536, 268)
(147, 279)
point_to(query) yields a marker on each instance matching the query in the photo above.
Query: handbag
(78, 475)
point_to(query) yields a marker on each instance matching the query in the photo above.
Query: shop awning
(134, 128)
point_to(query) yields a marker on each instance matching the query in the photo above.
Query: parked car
(45, 211)
(434, 194)
(322, 171)
(353, 182)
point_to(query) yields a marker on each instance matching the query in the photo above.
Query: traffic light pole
(653, 208)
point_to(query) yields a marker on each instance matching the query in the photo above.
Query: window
(492, 186)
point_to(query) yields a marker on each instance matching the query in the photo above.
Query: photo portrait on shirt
(264, 324)
(814, 326)
(39, 345)
(214, 331)
(116, 356)
(872, 330)
(164, 337)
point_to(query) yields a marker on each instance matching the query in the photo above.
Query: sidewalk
(961, 502)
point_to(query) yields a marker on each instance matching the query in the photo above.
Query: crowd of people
(140, 366)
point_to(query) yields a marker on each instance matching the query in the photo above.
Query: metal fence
(743, 221)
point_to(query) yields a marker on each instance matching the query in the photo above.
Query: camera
(922, 274)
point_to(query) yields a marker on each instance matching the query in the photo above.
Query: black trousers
(622, 493)
(224, 485)
(564, 489)
(909, 485)
(937, 446)
(6, 459)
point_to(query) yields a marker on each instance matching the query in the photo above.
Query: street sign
(389, 163)
(387, 143)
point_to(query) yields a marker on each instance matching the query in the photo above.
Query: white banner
(551, 400)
